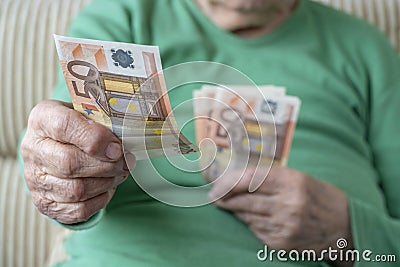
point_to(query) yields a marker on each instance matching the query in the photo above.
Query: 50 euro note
(122, 87)
(205, 102)
(247, 125)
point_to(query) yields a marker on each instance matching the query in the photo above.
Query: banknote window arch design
(129, 96)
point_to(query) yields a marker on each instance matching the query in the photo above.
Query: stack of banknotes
(122, 86)
(238, 126)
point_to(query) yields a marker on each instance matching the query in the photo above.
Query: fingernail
(130, 162)
(114, 151)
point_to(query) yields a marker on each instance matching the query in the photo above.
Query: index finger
(58, 121)
(230, 185)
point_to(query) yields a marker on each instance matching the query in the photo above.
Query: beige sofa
(27, 75)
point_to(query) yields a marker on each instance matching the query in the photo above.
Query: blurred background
(27, 76)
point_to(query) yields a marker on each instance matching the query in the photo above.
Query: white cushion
(28, 59)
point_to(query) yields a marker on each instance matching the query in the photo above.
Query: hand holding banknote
(72, 165)
(289, 211)
(122, 87)
(249, 125)
(253, 130)
(73, 154)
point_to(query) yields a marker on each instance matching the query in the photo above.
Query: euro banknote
(252, 125)
(122, 87)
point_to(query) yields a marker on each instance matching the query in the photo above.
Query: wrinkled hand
(290, 210)
(72, 164)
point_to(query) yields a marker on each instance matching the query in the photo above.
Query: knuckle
(276, 226)
(39, 113)
(70, 213)
(41, 181)
(294, 228)
(92, 147)
(77, 191)
(93, 135)
(73, 165)
(69, 162)
(35, 113)
(297, 216)
(112, 169)
(256, 206)
(63, 123)
(45, 206)
(82, 213)
(257, 222)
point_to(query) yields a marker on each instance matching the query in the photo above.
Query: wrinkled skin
(290, 210)
(247, 18)
(72, 165)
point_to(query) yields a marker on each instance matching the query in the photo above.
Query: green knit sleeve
(373, 229)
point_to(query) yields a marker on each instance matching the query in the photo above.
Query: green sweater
(348, 78)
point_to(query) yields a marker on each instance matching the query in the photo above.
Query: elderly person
(342, 180)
